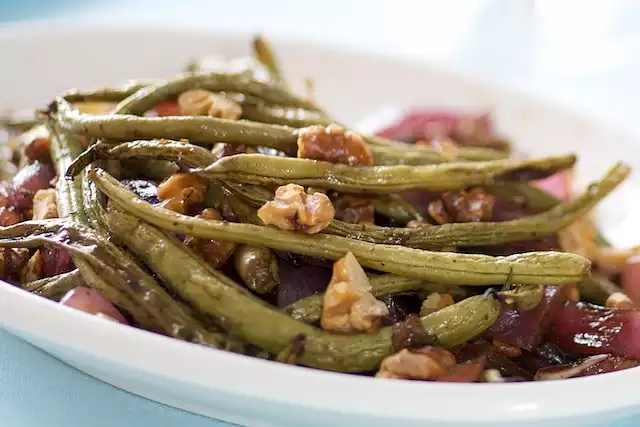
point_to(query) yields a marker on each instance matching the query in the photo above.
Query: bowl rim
(323, 390)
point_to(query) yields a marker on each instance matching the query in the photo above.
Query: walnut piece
(200, 102)
(333, 144)
(9, 216)
(214, 252)
(45, 204)
(348, 304)
(33, 270)
(435, 302)
(293, 209)
(619, 300)
(462, 206)
(354, 209)
(427, 363)
(182, 190)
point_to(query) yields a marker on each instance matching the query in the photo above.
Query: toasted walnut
(348, 304)
(354, 209)
(45, 204)
(182, 190)
(507, 349)
(366, 313)
(462, 206)
(333, 144)
(214, 252)
(12, 262)
(200, 102)
(33, 269)
(293, 209)
(579, 238)
(619, 300)
(9, 216)
(445, 146)
(435, 302)
(38, 149)
(427, 363)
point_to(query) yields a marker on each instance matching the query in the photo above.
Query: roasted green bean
(309, 309)
(54, 288)
(150, 96)
(597, 289)
(256, 322)
(257, 266)
(261, 169)
(446, 268)
(263, 52)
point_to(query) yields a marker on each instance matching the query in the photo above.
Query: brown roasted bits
(181, 191)
(354, 209)
(427, 363)
(348, 304)
(33, 269)
(214, 252)
(333, 144)
(200, 102)
(462, 206)
(507, 349)
(45, 204)
(293, 209)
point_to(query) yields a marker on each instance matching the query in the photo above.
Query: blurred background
(578, 53)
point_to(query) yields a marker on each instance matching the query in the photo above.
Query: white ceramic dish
(44, 62)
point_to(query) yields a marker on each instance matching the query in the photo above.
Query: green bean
(263, 52)
(524, 193)
(261, 169)
(258, 268)
(168, 315)
(212, 129)
(19, 125)
(256, 322)
(446, 268)
(54, 288)
(105, 94)
(395, 207)
(597, 289)
(526, 297)
(148, 97)
(309, 309)
(285, 116)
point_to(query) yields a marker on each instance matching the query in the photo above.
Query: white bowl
(38, 64)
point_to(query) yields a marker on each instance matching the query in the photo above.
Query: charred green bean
(257, 266)
(54, 288)
(256, 322)
(446, 268)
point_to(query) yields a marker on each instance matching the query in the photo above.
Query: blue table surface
(37, 390)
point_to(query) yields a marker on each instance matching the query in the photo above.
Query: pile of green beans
(128, 249)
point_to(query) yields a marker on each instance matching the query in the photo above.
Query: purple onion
(300, 280)
(55, 261)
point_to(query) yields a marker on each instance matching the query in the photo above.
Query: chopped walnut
(445, 146)
(366, 313)
(8, 216)
(435, 302)
(12, 262)
(427, 363)
(348, 304)
(214, 252)
(293, 209)
(333, 144)
(619, 300)
(507, 349)
(38, 149)
(182, 190)
(200, 102)
(462, 206)
(579, 238)
(33, 269)
(45, 204)
(354, 209)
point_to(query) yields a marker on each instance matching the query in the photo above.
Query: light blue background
(586, 67)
